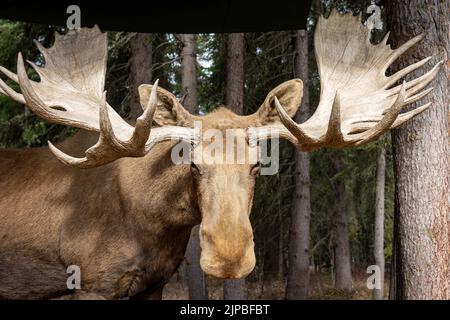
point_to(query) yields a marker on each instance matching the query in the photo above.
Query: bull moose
(123, 210)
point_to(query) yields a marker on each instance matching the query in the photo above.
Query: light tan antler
(357, 100)
(71, 92)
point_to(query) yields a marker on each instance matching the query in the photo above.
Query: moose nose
(227, 255)
(225, 270)
(230, 238)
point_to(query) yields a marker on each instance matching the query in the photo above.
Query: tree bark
(378, 248)
(299, 234)
(271, 269)
(195, 276)
(235, 289)
(189, 72)
(140, 69)
(342, 261)
(235, 72)
(421, 157)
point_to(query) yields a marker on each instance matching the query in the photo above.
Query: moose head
(358, 103)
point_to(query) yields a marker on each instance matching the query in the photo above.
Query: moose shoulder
(115, 204)
(125, 224)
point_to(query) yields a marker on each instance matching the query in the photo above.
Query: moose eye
(195, 169)
(256, 168)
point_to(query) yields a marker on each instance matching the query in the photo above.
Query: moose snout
(227, 254)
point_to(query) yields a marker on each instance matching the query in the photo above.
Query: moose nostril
(240, 237)
(206, 235)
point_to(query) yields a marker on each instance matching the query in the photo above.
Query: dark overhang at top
(167, 16)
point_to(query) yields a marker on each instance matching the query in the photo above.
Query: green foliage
(118, 70)
(212, 72)
(11, 34)
(19, 128)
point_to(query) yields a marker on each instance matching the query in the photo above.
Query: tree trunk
(378, 248)
(160, 51)
(235, 289)
(272, 268)
(421, 157)
(195, 277)
(189, 72)
(235, 72)
(396, 267)
(299, 233)
(342, 262)
(140, 69)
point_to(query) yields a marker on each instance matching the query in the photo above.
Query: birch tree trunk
(235, 289)
(299, 233)
(421, 157)
(140, 69)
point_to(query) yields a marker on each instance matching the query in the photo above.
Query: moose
(111, 200)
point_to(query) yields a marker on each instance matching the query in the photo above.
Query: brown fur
(125, 224)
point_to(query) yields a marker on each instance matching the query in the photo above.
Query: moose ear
(168, 110)
(289, 94)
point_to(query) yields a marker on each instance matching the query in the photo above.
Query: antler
(71, 93)
(357, 103)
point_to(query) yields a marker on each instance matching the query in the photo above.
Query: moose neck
(152, 194)
(159, 193)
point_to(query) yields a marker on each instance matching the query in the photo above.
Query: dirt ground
(321, 288)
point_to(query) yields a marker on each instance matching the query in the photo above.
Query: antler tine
(31, 98)
(402, 49)
(108, 148)
(354, 70)
(385, 123)
(385, 38)
(5, 89)
(400, 74)
(78, 89)
(419, 83)
(359, 127)
(334, 134)
(292, 126)
(9, 74)
(106, 130)
(418, 96)
(144, 122)
(256, 134)
(402, 118)
(42, 49)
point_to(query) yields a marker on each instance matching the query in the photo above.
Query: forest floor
(321, 289)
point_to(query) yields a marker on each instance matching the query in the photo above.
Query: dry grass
(321, 288)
